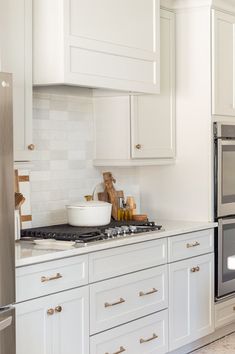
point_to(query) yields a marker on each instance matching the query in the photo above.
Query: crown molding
(225, 5)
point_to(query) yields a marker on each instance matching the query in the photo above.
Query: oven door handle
(222, 222)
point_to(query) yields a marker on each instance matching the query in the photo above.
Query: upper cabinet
(140, 130)
(97, 43)
(153, 116)
(223, 74)
(16, 58)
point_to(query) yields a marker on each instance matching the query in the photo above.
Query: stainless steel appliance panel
(7, 247)
(225, 248)
(7, 331)
(225, 177)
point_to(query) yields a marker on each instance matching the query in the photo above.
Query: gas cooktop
(84, 235)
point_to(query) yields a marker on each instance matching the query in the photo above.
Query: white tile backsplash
(64, 173)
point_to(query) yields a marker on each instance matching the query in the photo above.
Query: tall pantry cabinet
(16, 58)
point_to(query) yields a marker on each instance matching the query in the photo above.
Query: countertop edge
(56, 255)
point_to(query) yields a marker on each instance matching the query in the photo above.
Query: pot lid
(90, 204)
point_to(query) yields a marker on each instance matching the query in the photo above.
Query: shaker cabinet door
(223, 74)
(153, 116)
(191, 300)
(55, 324)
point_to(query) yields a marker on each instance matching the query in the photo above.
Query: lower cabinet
(191, 300)
(149, 335)
(55, 324)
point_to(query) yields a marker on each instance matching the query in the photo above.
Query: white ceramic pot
(93, 213)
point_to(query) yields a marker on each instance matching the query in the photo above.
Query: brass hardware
(58, 309)
(138, 146)
(141, 293)
(121, 301)
(195, 244)
(57, 276)
(121, 350)
(31, 147)
(149, 339)
(50, 312)
(195, 269)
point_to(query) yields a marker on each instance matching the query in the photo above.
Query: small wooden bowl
(140, 217)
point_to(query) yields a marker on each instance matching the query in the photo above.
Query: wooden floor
(224, 345)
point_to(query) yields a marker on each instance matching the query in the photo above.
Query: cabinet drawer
(149, 335)
(190, 245)
(50, 277)
(127, 259)
(120, 300)
(224, 313)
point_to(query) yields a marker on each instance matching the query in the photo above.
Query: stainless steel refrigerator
(7, 247)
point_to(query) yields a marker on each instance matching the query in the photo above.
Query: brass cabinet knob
(195, 269)
(138, 146)
(50, 312)
(58, 309)
(31, 147)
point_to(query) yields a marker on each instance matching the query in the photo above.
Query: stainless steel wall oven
(224, 176)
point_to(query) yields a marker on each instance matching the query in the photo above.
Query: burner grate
(67, 232)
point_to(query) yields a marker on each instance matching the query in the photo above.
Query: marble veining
(225, 345)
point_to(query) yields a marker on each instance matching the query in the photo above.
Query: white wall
(184, 190)
(63, 132)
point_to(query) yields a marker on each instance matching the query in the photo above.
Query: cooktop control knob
(133, 229)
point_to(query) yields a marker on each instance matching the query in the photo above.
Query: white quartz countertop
(28, 253)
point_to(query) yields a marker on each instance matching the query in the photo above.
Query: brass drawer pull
(149, 339)
(57, 276)
(138, 146)
(195, 244)
(141, 293)
(195, 269)
(121, 350)
(58, 309)
(121, 301)
(50, 312)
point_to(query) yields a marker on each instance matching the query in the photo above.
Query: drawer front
(224, 313)
(126, 259)
(51, 277)
(148, 335)
(120, 300)
(190, 245)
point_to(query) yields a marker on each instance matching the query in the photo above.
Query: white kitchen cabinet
(223, 75)
(153, 116)
(148, 335)
(139, 130)
(123, 299)
(97, 43)
(16, 58)
(191, 300)
(55, 324)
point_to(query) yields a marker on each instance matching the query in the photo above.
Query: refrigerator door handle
(6, 323)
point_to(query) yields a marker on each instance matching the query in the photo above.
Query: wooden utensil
(112, 193)
(19, 200)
